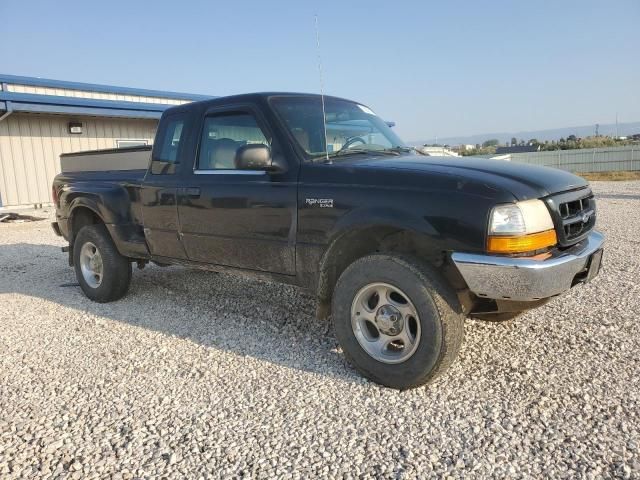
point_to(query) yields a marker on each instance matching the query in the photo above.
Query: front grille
(574, 215)
(578, 217)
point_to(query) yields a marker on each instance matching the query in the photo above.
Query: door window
(223, 135)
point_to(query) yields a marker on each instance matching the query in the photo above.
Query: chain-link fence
(585, 160)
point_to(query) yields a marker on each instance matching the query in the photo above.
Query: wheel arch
(111, 204)
(365, 239)
(80, 215)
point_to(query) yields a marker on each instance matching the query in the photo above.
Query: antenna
(324, 117)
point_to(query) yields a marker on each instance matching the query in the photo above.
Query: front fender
(367, 217)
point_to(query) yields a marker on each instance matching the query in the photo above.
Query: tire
(437, 331)
(497, 317)
(115, 270)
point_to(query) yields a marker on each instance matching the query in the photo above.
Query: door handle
(192, 192)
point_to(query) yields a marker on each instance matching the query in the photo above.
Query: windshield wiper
(349, 151)
(371, 151)
(419, 152)
(339, 153)
(399, 149)
(363, 151)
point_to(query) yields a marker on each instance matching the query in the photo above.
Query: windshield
(351, 127)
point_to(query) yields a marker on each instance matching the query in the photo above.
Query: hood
(522, 180)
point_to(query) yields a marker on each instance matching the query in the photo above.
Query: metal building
(40, 119)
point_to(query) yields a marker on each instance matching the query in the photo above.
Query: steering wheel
(352, 141)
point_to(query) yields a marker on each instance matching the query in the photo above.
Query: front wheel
(103, 274)
(397, 321)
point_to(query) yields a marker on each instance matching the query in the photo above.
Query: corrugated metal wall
(31, 144)
(67, 92)
(607, 159)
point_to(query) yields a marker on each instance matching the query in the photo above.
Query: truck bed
(132, 177)
(113, 174)
(112, 159)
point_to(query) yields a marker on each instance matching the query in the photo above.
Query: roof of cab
(249, 98)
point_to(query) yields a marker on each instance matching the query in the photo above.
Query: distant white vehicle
(506, 157)
(438, 151)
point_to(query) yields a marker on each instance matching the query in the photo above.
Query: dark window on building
(126, 143)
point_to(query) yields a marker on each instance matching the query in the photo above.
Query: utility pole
(597, 127)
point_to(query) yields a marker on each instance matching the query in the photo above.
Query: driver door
(238, 218)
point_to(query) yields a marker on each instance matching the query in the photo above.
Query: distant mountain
(541, 135)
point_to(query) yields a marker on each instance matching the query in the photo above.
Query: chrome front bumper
(524, 279)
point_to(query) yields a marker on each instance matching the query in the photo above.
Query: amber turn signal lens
(522, 243)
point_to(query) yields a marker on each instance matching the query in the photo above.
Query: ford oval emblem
(586, 217)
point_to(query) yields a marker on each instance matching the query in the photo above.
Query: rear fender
(111, 203)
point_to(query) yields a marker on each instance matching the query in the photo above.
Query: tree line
(572, 142)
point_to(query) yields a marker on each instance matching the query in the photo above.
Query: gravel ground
(196, 374)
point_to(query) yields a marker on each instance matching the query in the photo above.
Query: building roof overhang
(11, 101)
(94, 87)
(32, 103)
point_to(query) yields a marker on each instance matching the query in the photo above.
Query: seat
(205, 158)
(220, 154)
(302, 137)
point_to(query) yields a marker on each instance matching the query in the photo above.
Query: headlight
(507, 219)
(520, 227)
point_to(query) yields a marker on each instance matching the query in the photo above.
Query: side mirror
(254, 157)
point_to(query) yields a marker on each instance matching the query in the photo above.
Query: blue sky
(436, 68)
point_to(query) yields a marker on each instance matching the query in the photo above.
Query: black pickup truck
(398, 247)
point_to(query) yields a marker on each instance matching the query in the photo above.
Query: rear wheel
(103, 274)
(397, 321)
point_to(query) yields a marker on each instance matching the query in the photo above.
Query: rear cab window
(168, 145)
